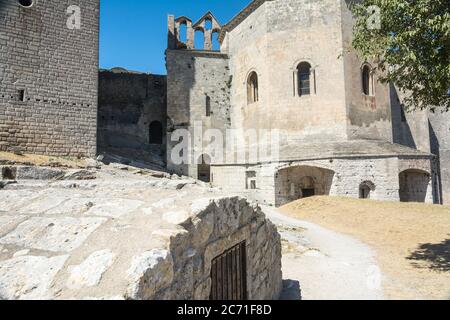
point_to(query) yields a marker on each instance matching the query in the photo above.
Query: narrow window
(215, 41)
(21, 95)
(252, 88)
(199, 39)
(208, 106)
(304, 79)
(182, 32)
(367, 80)
(250, 180)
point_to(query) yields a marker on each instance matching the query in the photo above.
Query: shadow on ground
(432, 256)
(291, 290)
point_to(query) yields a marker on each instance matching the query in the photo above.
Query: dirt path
(328, 265)
(410, 240)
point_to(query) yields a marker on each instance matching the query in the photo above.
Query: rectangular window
(250, 180)
(21, 95)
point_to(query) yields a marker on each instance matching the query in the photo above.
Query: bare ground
(411, 241)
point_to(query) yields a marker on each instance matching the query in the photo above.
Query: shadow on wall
(436, 150)
(401, 130)
(432, 256)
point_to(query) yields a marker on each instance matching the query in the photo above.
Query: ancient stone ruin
(191, 230)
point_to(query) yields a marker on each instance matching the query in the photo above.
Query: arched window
(252, 88)
(155, 133)
(304, 79)
(215, 40)
(204, 168)
(199, 39)
(182, 32)
(367, 80)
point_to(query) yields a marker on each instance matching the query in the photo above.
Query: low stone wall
(138, 238)
(279, 183)
(214, 226)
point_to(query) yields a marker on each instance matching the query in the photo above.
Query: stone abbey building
(277, 65)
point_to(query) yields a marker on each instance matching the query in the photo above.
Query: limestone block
(80, 175)
(8, 223)
(90, 272)
(28, 277)
(53, 234)
(38, 173)
(72, 206)
(44, 204)
(115, 208)
(176, 217)
(150, 272)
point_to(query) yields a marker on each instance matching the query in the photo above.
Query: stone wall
(129, 103)
(138, 238)
(272, 41)
(369, 116)
(439, 126)
(216, 227)
(48, 78)
(334, 177)
(196, 81)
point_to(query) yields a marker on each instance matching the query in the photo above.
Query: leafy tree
(409, 41)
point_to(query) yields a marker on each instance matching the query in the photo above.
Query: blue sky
(133, 33)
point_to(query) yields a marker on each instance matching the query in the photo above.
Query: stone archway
(294, 183)
(365, 189)
(414, 185)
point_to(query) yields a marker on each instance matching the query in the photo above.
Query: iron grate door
(229, 275)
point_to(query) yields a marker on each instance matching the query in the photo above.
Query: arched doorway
(414, 185)
(156, 133)
(365, 189)
(301, 182)
(204, 168)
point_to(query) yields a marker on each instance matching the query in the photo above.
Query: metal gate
(229, 274)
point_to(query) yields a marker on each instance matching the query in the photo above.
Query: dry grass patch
(7, 158)
(412, 240)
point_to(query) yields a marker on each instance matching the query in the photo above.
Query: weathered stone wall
(138, 237)
(194, 80)
(129, 102)
(335, 177)
(369, 117)
(56, 68)
(272, 41)
(439, 126)
(216, 227)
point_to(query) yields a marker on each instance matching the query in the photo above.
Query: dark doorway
(308, 193)
(156, 133)
(229, 275)
(364, 192)
(204, 168)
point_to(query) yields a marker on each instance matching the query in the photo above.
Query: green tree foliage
(410, 45)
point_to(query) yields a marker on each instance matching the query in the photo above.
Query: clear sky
(133, 33)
